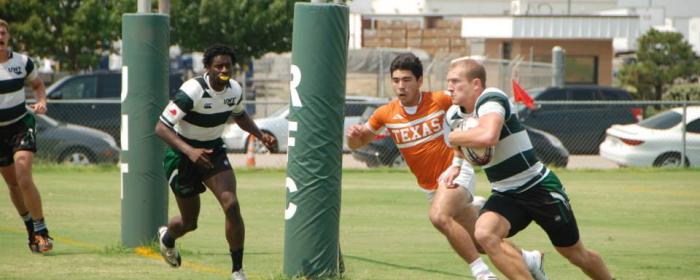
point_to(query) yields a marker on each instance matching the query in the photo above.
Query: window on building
(506, 50)
(581, 70)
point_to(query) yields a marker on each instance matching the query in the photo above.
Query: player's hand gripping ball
(476, 156)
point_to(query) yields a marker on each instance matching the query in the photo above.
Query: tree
(251, 27)
(73, 32)
(662, 59)
(76, 32)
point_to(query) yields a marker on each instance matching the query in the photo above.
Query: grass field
(645, 223)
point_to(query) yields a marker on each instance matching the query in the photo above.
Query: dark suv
(580, 127)
(93, 100)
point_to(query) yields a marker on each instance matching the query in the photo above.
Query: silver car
(73, 144)
(236, 139)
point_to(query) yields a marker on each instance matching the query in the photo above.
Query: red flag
(521, 96)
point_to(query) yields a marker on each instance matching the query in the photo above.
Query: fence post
(558, 66)
(684, 132)
(381, 81)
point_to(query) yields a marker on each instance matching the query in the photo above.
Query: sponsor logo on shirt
(15, 69)
(230, 101)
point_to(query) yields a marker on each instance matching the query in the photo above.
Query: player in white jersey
(17, 138)
(192, 124)
(523, 190)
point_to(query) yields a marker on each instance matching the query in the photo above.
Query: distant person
(18, 139)
(46, 66)
(523, 189)
(192, 124)
(416, 122)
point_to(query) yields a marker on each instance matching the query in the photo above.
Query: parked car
(382, 151)
(580, 127)
(236, 139)
(75, 144)
(656, 141)
(85, 95)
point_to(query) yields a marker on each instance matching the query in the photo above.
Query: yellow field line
(76, 243)
(148, 253)
(139, 251)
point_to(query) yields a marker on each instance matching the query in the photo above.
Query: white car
(656, 141)
(236, 139)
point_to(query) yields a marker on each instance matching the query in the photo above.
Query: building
(591, 31)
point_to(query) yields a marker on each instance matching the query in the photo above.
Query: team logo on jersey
(230, 101)
(207, 105)
(16, 69)
(173, 112)
(409, 134)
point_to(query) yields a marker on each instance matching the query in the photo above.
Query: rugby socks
(479, 267)
(27, 218)
(168, 240)
(40, 227)
(236, 259)
(530, 258)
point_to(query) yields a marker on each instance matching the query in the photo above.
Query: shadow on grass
(67, 253)
(185, 251)
(407, 267)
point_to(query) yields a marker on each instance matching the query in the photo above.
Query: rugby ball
(476, 156)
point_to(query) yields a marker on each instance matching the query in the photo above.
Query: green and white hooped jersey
(198, 113)
(514, 166)
(13, 74)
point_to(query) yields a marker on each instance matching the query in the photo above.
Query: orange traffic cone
(250, 153)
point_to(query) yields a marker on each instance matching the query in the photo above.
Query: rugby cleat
(537, 269)
(42, 243)
(31, 242)
(238, 275)
(170, 255)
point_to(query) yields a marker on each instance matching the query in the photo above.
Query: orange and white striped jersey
(420, 136)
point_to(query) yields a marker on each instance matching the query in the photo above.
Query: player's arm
(38, 86)
(359, 135)
(246, 123)
(485, 134)
(197, 155)
(40, 94)
(165, 129)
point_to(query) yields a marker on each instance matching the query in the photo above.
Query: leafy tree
(683, 92)
(252, 27)
(76, 32)
(73, 32)
(662, 58)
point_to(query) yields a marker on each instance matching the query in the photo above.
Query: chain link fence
(79, 131)
(368, 73)
(608, 133)
(562, 132)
